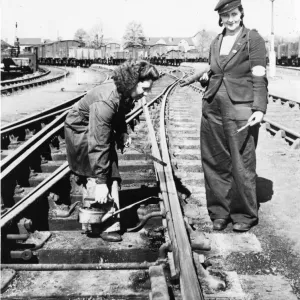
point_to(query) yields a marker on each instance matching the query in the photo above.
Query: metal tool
(148, 155)
(242, 128)
(88, 216)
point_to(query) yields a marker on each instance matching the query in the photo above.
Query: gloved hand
(102, 194)
(256, 118)
(184, 82)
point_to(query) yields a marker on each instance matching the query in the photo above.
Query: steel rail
(291, 136)
(288, 68)
(45, 113)
(10, 162)
(33, 83)
(24, 150)
(31, 121)
(37, 117)
(190, 285)
(273, 98)
(164, 192)
(15, 81)
(43, 187)
(15, 158)
(69, 267)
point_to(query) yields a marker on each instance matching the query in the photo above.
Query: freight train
(73, 53)
(287, 54)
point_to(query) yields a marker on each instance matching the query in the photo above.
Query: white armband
(259, 71)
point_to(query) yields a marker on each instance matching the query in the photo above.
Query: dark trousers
(229, 160)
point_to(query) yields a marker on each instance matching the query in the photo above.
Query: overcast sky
(178, 18)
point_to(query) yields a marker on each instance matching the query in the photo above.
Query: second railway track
(51, 74)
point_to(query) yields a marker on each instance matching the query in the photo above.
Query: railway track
(46, 256)
(288, 68)
(43, 198)
(43, 72)
(10, 86)
(282, 118)
(16, 134)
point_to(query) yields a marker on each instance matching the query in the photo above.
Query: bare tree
(81, 35)
(203, 40)
(96, 35)
(134, 36)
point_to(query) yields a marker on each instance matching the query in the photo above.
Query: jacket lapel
(240, 41)
(217, 47)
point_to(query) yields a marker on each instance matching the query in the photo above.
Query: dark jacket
(91, 129)
(241, 85)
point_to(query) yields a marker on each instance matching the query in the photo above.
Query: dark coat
(241, 85)
(91, 130)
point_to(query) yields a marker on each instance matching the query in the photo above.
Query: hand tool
(242, 128)
(148, 155)
(89, 216)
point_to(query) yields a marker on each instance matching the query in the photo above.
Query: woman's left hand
(256, 118)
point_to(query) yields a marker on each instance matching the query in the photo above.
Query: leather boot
(111, 236)
(220, 224)
(241, 227)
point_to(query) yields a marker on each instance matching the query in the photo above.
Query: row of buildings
(154, 46)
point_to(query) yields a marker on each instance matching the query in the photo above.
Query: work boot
(111, 237)
(220, 224)
(241, 227)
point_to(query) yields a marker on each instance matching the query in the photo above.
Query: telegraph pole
(272, 54)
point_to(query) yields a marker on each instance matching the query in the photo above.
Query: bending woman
(96, 124)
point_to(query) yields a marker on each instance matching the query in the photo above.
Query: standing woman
(96, 124)
(236, 95)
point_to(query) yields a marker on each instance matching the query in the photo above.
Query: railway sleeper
(85, 284)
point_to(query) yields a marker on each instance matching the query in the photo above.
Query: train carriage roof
(53, 42)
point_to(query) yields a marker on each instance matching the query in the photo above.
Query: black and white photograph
(150, 150)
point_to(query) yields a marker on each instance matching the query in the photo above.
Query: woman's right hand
(102, 194)
(184, 82)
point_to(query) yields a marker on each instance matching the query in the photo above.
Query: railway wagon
(174, 57)
(56, 53)
(111, 49)
(294, 54)
(288, 54)
(121, 57)
(282, 54)
(192, 55)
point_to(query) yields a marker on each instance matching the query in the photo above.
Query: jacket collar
(240, 41)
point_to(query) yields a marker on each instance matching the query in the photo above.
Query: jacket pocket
(239, 90)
